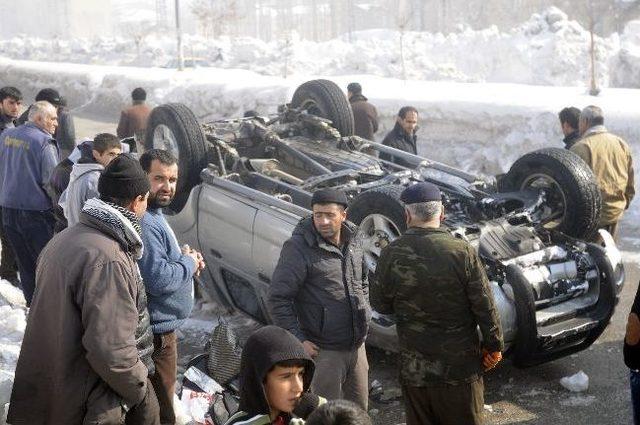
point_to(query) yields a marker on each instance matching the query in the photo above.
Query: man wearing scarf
(85, 357)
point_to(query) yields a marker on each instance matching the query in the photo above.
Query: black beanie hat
(329, 196)
(50, 95)
(123, 178)
(354, 88)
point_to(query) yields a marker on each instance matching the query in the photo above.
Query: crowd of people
(108, 284)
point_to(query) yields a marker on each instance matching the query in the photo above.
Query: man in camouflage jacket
(436, 286)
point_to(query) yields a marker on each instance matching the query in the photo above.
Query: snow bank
(12, 325)
(481, 127)
(548, 49)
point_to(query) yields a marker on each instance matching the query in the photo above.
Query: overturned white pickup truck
(245, 183)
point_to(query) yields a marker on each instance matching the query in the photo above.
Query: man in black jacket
(403, 136)
(320, 293)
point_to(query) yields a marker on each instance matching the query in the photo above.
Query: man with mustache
(319, 292)
(167, 271)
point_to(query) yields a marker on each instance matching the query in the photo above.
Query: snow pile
(625, 65)
(548, 49)
(12, 325)
(576, 383)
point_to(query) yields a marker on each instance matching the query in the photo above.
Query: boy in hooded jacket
(83, 181)
(275, 377)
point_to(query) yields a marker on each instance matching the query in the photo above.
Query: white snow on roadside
(479, 127)
(12, 325)
(547, 49)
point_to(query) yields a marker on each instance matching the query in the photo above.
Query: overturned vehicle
(245, 184)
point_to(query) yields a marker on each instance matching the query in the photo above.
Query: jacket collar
(401, 133)
(307, 230)
(571, 139)
(32, 125)
(596, 129)
(358, 98)
(121, 226)
(425, 230)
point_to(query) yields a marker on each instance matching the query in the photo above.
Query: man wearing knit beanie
(89, 315)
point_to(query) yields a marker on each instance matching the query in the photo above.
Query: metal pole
(179, 37)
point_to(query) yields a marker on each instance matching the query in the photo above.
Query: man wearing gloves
(436, 286)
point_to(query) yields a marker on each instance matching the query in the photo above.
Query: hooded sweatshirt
(264, 348)
(83, 185)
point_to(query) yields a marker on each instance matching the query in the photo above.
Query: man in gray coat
(319, 292)
(86, 353)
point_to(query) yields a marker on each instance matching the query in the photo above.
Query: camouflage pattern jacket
(436, 286)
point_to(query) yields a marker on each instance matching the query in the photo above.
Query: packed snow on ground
(12, 325)
(547, 49)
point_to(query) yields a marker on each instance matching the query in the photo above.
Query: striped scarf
(119, 219)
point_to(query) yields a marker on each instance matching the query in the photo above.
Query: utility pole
(179, 37)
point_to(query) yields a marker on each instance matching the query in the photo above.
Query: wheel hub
(376, 231)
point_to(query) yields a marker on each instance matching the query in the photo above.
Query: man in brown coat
(133, 120)
(365, 115)
(85, 356)
(610, 159)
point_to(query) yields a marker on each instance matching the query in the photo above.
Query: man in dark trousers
(86, 353)
(28, 155)
(365, 115)
(569, 117)
(10, 105)
(167, 271)
(133, 120)
(403, 136)
(436, 286)
(319, 292)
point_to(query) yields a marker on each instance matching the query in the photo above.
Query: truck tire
(573, 196)
(526, 336)
(174, 127)
(379, 213)
(325, 99)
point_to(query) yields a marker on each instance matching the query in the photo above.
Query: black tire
(325, 99)
(384, 201)
(573, 177)
(527, 333)
(191, 146)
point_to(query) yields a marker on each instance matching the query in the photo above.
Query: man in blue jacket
(167, 272)
(28, 155)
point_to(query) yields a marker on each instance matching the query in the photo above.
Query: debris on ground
(576, 383)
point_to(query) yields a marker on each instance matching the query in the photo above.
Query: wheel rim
(555, 209)
(376, 231)
(163, 138)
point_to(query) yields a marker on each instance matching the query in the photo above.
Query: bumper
(543, 336)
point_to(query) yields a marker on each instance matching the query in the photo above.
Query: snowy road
(514, 396)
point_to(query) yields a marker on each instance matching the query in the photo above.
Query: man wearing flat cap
(319, 292)
(437, 288)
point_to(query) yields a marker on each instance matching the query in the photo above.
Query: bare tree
(215, 18)
(137, 31)
(402, 22)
